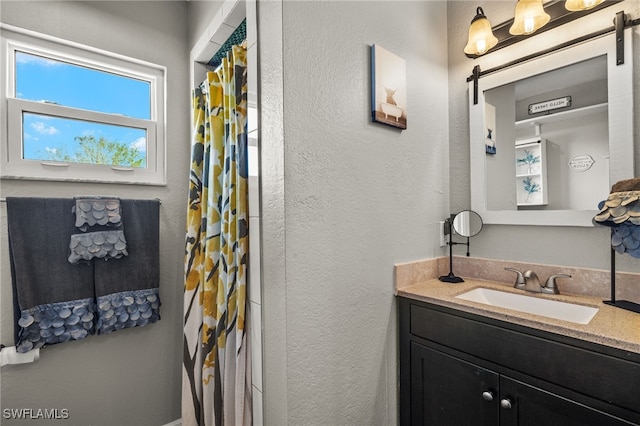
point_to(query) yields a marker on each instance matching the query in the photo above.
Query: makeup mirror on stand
(467, 224)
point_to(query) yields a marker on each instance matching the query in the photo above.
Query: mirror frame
(620, 116)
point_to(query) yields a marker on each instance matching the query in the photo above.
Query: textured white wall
(130, 377)
(343, 200)
(570, 246)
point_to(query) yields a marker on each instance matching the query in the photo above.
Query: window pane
(47, 80)
(51, 138)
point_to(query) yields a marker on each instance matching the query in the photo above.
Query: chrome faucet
(529, 281)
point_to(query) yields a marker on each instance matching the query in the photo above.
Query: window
(78, 113)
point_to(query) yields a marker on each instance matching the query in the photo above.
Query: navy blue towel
(127, 289)
(54, 300)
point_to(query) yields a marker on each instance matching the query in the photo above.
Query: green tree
(101, 151)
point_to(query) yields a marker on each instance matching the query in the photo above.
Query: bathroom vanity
(463, 363)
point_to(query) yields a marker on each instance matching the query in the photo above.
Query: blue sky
(42, 79)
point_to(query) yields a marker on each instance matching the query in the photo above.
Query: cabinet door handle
(505, 403)
(487, 395)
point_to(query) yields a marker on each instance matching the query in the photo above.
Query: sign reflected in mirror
(562, 131)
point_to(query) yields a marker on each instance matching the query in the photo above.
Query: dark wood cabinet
(448, 391)
(461, 369)
(534, 406)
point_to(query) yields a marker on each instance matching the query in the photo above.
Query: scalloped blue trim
(53, 323)
(97, 245)
(127, 309)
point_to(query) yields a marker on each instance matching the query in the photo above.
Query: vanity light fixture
(530, 16)
(620, 23)
(481, 37)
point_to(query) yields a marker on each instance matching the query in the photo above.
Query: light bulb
(481, 46)
(529, 24)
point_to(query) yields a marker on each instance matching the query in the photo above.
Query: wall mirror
(549, 137)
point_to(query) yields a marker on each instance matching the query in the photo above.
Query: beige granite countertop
(611, 326)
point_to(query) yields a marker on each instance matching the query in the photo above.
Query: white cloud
(51, 150)
(45, 118)
(42, 128)
(140, 144)
(25, 58)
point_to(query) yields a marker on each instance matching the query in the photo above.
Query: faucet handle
(520, 282)
(550, 286)
(531, 278)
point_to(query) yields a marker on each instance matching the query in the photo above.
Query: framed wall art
(388, 88)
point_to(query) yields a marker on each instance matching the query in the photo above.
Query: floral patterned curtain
(214, 389)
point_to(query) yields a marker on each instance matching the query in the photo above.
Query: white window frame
(13, 166)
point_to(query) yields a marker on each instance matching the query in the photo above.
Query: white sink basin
(578, 314)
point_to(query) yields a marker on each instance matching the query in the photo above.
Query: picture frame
(388, 88)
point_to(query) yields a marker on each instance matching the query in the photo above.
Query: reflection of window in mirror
(567, 108)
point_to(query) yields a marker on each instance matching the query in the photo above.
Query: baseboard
(175, 423)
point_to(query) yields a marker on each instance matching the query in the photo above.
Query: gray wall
(130, 377)
(343, 200)
(200, 13)
(571, 246)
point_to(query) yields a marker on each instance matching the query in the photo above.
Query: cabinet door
(447, 391)
(531, 406)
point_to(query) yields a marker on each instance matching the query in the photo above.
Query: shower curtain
(216, 374)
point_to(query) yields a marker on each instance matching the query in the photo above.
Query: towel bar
(4, 200)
